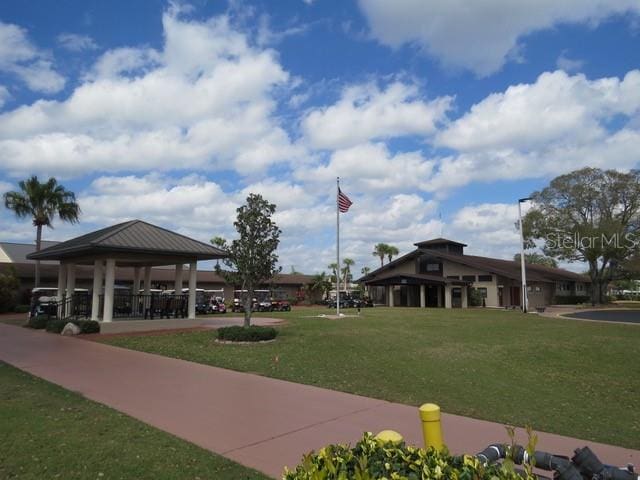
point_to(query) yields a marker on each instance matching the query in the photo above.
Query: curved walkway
(260, 422)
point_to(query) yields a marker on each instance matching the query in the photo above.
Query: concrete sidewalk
(260, 422)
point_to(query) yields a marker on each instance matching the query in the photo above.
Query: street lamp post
(525, 298)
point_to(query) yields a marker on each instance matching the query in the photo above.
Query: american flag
(343, 202)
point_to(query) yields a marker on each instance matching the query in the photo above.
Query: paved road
(626, 316)
(260, 422)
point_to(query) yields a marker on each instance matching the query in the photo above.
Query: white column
(147, 280)
(71, 278)
(109, 280)
(193, 278)
(137, 275)
(178, 282)
(447, 296)
(62, 279)
(464, 296)
(71, 286)
(390, 292)
(98, 272)
(423, 299)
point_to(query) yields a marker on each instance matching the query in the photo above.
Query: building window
(485, 278)
(469, 278)
(453, 277)
(482, 291)
(428, 265)
(538, 289)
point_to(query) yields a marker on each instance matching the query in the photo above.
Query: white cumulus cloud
(204, 100)
(479, 35)
(20, 57)
(365, 112)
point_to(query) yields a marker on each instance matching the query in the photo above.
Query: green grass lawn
(570, 377)
(47, 432)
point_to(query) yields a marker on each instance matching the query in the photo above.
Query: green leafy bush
(370, 460)
(9, 286)
(571, 299)
(254, 333)
(86, 326)
(38, 322)
(21, 308)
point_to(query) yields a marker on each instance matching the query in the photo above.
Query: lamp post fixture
(525, 297)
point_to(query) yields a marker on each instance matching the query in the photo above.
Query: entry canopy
(132, 243)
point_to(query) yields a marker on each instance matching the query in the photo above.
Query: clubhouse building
(439, 274)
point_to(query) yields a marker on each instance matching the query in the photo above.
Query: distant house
(439, 274)
(14, 255)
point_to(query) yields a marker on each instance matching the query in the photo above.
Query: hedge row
(55, 325)
(370, 460)
(253, 333)
(571, 299)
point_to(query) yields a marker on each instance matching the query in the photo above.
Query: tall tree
(219, 242)
(42, 202)
(392, 252)
(380, 250)
(589, 215)
(333, 267)
(252, 257)
(365, 271)
(535, 258)
(346, 270)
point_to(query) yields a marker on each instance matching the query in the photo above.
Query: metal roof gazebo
(135, 244)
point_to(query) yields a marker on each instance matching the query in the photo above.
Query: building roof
(416, 278)
(49, 271)
(505, 268)
(437, 241)
(135, 237)
(17, 252)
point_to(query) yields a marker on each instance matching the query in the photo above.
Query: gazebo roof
(134, 237)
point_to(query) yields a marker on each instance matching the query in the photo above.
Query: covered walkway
(260, 422)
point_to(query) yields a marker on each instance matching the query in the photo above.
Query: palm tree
(380, 250)
(41, 202)
(320, 283)
(333, 267)
(365, 271)
(392, 251)
(346, 271)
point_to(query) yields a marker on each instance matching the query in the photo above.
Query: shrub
(9, 286)
(86, 326)
(38, 321)
(571, 299)
(370, 460)
(21, 308)
(253, 333)
(55, 325)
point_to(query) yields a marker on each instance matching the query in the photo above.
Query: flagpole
(337, 247)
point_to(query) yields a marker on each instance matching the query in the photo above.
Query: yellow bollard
(389, 436)
(431, 426)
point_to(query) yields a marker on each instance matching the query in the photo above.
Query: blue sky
(436, 115)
